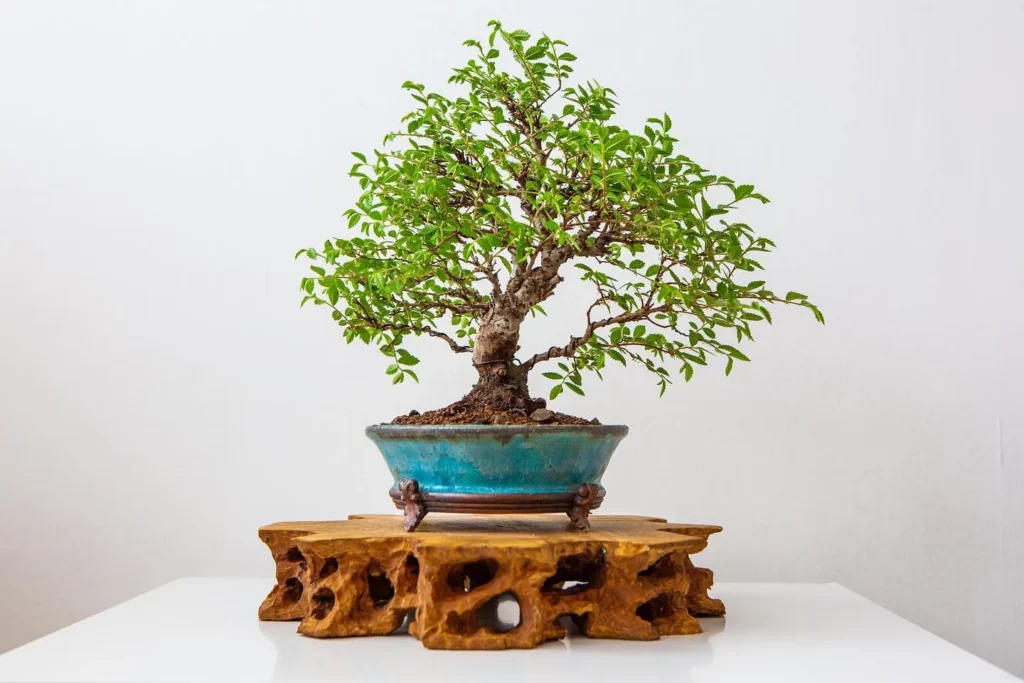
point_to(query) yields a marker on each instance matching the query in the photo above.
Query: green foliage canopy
(478, 201)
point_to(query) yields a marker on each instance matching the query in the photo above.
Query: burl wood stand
(628, 578)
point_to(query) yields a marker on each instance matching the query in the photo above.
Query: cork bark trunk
(501, 383)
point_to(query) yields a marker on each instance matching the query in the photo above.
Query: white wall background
(162, 395)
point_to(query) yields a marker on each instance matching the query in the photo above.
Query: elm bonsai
(471, 215)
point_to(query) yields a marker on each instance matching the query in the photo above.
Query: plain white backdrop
(162, 395)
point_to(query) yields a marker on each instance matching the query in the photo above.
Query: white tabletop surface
(207, 630)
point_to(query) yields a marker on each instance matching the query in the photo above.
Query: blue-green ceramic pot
(486, 459)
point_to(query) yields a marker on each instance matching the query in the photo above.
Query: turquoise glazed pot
(492, 460)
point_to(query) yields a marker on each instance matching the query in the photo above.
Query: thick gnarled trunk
(501, 383)
(502, 387)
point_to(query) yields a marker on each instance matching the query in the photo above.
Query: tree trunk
(501, 384)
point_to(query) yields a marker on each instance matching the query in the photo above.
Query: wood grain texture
(628, 578)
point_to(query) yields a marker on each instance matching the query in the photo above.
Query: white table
(206, 630)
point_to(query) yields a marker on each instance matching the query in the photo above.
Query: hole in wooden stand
(407, 621)
(577, 573)
(500, 614)
(295, 555)
(381, 588)
(465, 577)
(292, 590)
(330, 566)
(323, 603)
(410, 573)
(457, 623)
(656, 609)
(571, 623)
(663, 568)
(581, 621)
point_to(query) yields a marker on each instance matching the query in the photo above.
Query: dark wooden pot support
(416, 503)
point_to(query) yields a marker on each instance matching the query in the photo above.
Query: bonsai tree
(474, 212)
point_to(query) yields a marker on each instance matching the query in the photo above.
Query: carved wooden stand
(629, 578)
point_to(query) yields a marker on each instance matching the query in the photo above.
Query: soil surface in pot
(463, 414)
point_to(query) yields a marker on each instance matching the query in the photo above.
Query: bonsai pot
(497, 468)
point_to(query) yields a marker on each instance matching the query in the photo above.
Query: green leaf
(687, 372)
(728, 367)
(795, 296)
(733, 352)
(574, 388)
(406, 358)
(392, 369)
(552, 375)
(741, 191)
(616, 355)
(535, 52)
(555, 391)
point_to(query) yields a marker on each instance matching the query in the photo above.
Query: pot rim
(396, 431)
